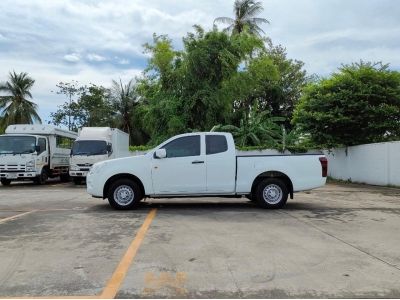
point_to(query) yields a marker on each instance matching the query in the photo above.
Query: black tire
(250, 197)
(65, 177)
(42, 178)
(5, 182)
(77, 180)
(271, 193)
(124, 187)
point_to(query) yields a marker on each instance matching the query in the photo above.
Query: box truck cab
(34, 152)
(96, 144)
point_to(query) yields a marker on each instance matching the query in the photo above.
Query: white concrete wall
(377, 164)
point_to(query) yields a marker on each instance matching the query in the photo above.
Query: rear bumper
(17, 175)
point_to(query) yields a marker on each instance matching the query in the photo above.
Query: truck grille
(12, 168)
(85, 165)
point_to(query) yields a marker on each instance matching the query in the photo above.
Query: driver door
(183, 170)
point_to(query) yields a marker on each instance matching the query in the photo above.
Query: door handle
(198, 162)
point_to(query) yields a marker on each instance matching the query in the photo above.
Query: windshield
(17, 144)
(89, 148)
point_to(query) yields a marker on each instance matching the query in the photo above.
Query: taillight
(324, 165)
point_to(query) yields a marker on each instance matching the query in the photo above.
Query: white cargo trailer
(34, 152)
(96, 144)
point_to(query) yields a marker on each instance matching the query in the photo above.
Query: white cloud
(72, 57)
(123, 61)
(40, 36)
(95, 57)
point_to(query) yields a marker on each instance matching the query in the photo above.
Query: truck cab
(95, 144)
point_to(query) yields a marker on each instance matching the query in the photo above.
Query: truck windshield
(17, 144)
(89, 148)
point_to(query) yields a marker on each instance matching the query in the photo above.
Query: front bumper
(17, 175)
(93, 189)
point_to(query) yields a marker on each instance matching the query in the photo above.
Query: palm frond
(225, 20)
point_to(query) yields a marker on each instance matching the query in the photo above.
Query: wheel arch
(114, 178)
(273, 174)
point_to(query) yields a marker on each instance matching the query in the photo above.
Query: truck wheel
(5, 181)
(124, 194)
(77, 180)
(64, 177)
(42, 178)
(272, 193)
(250, 198)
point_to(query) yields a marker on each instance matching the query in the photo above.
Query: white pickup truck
(205, 164)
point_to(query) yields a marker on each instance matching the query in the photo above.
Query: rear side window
(216, 144)
(184, 146)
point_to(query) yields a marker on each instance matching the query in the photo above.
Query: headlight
(30, 163)
(30, 169)
(74, 168)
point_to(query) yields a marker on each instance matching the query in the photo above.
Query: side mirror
(109, 148)
(37, 149)
(160, 153)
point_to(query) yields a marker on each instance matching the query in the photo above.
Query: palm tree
(15, 107)
(124, 98)
(245, 12)
(257, 129)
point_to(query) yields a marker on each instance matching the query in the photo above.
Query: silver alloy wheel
(124, 195)
(272, 194)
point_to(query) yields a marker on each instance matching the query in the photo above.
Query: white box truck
(34, 152)
(96, 144)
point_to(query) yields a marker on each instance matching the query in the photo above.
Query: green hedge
(140, 148)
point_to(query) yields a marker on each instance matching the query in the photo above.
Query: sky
(95, 41)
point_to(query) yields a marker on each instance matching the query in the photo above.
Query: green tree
(92, 108)
(70, 90)
(15, 106)
(124, 99)
(281, 96)
(245, 12)
(210, 59)
(358, 104)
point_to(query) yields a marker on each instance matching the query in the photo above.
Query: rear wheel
(124, 194)
(5, 181)
(272, 193)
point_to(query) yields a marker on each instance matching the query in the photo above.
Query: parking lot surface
(337, 241)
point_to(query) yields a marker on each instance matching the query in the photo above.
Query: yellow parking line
(113, 285)
(15, 216)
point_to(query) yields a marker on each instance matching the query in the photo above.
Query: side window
(42, 145)
(216, 144)
(64, 142)
(184, 146)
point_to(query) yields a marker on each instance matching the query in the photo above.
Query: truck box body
(28, 151)
(95, 144)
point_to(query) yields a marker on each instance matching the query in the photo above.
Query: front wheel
(64, 177)
(124, 194)
(5, 181)
(42, 178)
(77, 180)
(272, 193)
